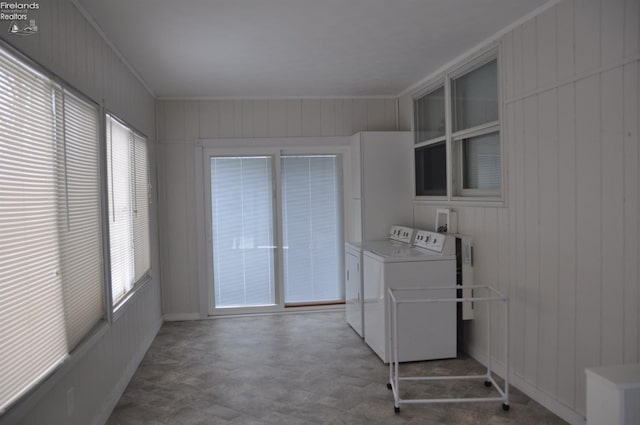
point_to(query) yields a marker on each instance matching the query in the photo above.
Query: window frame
(116, 309)
(456, 193)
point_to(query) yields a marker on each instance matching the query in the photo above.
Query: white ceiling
(281, 48)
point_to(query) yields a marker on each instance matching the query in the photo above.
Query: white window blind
(79, 217)
(242, 230)
(481, 159)
(312, 228)
(141, 248)
(128, 188)
(50, 244)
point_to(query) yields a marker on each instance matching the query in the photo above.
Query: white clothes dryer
(354, 287)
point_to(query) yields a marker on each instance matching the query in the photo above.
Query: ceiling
(295, 48)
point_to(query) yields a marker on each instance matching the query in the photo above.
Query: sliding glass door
(275, 230)
(242, 226)
(312, 229)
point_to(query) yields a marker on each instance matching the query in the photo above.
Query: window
(469, 128)
(431, 169)
(51, 259)
(128, 186)
(430, 116)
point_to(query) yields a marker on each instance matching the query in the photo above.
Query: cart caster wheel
(505, 407)
(389, 386)
(396, 409)
(487, 384)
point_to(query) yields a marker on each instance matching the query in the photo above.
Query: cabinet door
(386, 188)
(353, 292)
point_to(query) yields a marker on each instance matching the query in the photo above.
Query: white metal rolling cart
(398, 297)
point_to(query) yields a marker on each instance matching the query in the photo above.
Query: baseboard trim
(128, 373)
(520, 383)
(179, 317)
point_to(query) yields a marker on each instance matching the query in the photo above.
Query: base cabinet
(613, 395)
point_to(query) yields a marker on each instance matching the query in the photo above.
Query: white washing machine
(424, 331)
(354, 285)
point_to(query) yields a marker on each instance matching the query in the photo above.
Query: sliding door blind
(128, 188)
(312, 228)
(50, 247)
(242, 230)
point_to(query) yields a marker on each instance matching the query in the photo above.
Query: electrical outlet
(71, 401)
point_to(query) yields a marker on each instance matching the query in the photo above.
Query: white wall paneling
(567, 249)
(612, 160)
(631, 213)
(518, 294)
(565, 245)
(68, 45)
(589, 235)
(549, 239)
(586, 18)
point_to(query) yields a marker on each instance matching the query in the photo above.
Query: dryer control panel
(401, 234)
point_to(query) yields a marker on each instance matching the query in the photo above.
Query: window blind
(79, 218)
(242, 230)
(481, 159)
(141, 249)
(50, 247)
(127, 165)
(311, 228)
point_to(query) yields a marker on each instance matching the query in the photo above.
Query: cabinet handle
(347, 274)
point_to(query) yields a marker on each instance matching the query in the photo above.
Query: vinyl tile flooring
(296, 369)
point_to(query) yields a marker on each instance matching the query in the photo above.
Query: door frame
(275, 148)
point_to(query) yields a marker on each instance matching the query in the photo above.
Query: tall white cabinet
(381, 195)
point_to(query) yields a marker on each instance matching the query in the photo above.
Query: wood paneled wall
(189, 120)
(565, 244)
(182, 122)
(69, 46)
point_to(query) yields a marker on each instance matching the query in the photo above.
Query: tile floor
(307, 368)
